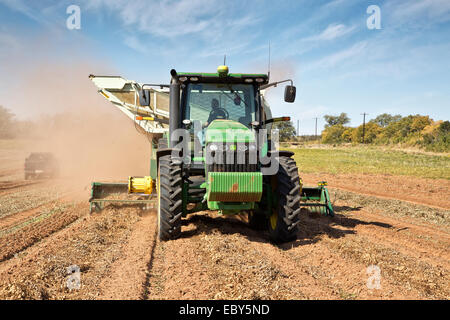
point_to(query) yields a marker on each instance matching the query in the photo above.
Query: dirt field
(395, 224)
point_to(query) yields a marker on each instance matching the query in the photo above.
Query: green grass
(372, 160)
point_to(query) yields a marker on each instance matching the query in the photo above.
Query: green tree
(372, 130)
(347, 135)
(420, 122)
(341, 119)
(438, 139)
(6, 123)
(383, 120)
(286, 130)
(445, 127)
(333, 134)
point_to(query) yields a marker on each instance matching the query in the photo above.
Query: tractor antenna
(268, 73)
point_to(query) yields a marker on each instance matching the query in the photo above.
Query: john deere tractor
(215, 151)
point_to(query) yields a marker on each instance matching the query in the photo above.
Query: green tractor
(229, 114)
(216, 152)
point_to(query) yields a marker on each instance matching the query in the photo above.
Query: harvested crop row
(38, 228)
(329, 260)
(14, 222)
(223, 264)
(11, 185)
(430, 192)
(410, 274)
(395, 208)
(406, 254)
(28, 199)
(92, 243)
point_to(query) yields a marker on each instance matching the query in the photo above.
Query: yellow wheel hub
(274, 219)
(158, 187)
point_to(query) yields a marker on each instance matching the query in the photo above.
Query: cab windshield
(207, 102)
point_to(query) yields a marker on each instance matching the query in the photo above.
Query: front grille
(227, 158)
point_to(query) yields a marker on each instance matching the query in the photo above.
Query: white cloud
(167, 18)
(337, 58)
(417, 12)
(332, 32)
(20, 6)
(207, 27)
(135, 44)
(45, 13)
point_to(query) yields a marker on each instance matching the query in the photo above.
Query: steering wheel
(219, 113)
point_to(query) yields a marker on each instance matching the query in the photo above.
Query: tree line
(386, 129)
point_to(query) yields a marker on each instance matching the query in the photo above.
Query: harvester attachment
(148, 107)
(141, 187)
(317, 199)
(128, 96)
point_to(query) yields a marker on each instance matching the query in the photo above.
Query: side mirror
(144, 97)
(289, 94)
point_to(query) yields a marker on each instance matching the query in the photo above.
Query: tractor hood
(228, 131)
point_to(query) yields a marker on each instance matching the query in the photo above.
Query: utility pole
(316, 128)
(364, 125)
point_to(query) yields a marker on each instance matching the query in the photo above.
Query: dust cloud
(91, 139)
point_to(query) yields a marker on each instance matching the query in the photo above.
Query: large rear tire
(286, 186)
(170, 202)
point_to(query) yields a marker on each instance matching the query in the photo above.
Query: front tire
(170, 202)
(286, 186)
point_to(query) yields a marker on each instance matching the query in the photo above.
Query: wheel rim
(159, 201)
(273, 219)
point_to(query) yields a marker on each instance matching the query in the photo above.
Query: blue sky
(336, 62)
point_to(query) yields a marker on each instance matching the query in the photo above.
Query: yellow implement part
(140, 185)
(145, 118)
(104, 94)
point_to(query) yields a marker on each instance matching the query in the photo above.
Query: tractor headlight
(213, 147)
(252, 147)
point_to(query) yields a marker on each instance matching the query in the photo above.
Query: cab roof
(230, 77)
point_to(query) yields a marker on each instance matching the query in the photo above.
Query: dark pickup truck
(41, 165)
